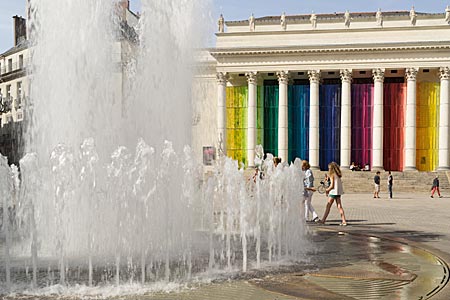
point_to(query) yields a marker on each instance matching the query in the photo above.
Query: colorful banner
(298, 122)
(260, 116)
(237, 123)
(394, 109)
(427, 126)
(329, 124)
(271, 96)
(362, 124)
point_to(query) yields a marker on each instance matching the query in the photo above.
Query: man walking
(390, 181)
(435, 187)
(376, 180)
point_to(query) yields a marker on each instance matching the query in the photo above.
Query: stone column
(444, 128)
(377, 144)
(283, 80)
(314, 81)
(221, 113)
(346, 120)
(410, 125)
(251, 118)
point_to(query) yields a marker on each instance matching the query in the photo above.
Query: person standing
(376, 181)
(435, 187)
(390, 182)
(308, 184)
(334, 192)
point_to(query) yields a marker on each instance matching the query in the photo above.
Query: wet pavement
(343, 266)
(392, 249)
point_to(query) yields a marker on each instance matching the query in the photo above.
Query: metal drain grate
(362, 289)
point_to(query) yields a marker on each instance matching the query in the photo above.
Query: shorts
(334, 196)
(377, 188)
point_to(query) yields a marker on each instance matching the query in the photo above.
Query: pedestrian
(334, 192)
(390, 182)
(376, 181)
(308, 184)
(276, 161)
(326, 180)
(435, 187)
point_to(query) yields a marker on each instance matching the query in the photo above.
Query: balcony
(8, 103)
(13, 70)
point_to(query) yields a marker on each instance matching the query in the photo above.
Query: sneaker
(316, 220)
(431, 197)
(343, 224)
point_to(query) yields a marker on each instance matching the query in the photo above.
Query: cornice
(324, 49)
(333, 30)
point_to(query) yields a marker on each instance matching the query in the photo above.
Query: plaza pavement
(415, 217)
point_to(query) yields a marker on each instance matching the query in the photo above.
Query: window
(8, 91)
(18, 102)
(10, 65)
(20, 61)
(19, 90)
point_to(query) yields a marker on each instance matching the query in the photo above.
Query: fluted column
(377, 144)
(444, 128)
(251, 118)
(283, 80)
(221, 113)
(410, 124)
(346, 121)
(314, 81)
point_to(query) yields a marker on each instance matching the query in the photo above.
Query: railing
(17, 65)
(6, 103)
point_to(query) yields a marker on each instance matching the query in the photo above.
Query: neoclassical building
(370, 88)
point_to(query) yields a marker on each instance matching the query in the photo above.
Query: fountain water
(85, 216)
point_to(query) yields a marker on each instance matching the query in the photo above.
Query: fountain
(90, 217)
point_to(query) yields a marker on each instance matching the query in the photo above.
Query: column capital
(444, 73)
(222, 78)
(378, 75)
(314, 76)
(411, 73)
(252, 77)
(283, 77)
(346, 75)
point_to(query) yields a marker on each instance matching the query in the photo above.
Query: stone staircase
(412, 181)
(362, 181)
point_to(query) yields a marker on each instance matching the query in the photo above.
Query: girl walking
(334, 192)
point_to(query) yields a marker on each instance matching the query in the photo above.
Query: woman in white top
(334, 192)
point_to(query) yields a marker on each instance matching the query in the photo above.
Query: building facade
(370, 88)
(15, 75)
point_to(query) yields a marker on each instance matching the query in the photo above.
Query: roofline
(15, 49)
(331, 16)
(134, 14)
(306, 31)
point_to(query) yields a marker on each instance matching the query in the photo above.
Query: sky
(242, 9)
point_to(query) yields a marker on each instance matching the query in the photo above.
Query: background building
(15, 74)
(370, 88)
